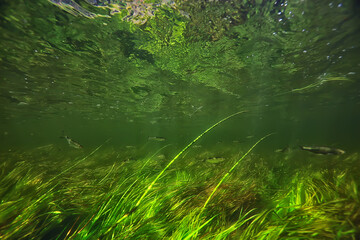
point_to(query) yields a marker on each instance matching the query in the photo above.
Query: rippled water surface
(130, 70)
(160, 68)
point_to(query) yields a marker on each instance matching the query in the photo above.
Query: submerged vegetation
(89, 202)
(128, 68)
(46, 195)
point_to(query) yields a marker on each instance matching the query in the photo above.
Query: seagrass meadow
(157, 119)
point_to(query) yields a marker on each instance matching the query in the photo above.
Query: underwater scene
(184, 119)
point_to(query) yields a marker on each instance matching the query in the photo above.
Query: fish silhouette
(71, 142)
(323, 150)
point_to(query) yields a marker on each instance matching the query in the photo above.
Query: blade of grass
(182, 151)
(80, 161)
(199, 228)
(231, 169)
(168, 165)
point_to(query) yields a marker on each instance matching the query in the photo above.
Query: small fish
(215, 160)
(72, 143)
(158, 139)
(283, 150)
(323, 150)
(197, 146)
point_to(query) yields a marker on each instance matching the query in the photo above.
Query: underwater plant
(103, 196)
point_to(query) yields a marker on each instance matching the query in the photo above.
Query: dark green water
(187, 65)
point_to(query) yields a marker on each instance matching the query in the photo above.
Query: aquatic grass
(169, 164)
(108, 213)
(23, 217)
(244, 218)
(81, 223)
(181, 152)
(229, 172)
(198, 228)
(70, 183)
(148, 219)
(149, 208)
(79, 161)
(310, 209)
(118, 202)
(199, 218)
(212, 227)
(153, 155)
(90, 202)
(39, 204)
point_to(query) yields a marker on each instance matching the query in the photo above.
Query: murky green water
(130, 70)
(104, 76)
